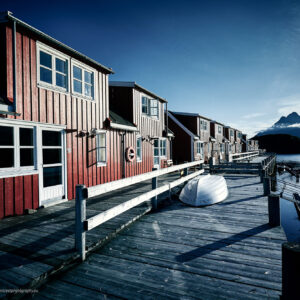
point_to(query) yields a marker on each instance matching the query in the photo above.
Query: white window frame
(200, 148)
(84, 68)
(139, 159)
(149, 107)
(17, 170)
(203, 125)
(54, 54)
(160, 147)
(219, 129)
(101, 163)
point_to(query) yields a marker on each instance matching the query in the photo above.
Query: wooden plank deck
(224, 251)
(34, 247)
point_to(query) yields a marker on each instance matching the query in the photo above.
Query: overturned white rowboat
(204, 190)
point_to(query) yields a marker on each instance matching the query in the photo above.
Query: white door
(156, 156)
(52, 167)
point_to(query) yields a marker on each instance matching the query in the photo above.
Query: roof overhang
(122, 127)
(133, 84)
(7, 16)
(190, 114)
(212, 139)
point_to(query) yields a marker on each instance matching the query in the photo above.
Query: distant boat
(204, 190)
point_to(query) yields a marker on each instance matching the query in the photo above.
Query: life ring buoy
(130, 154)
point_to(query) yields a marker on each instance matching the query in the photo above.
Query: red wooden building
(56, 127)
(192, 139)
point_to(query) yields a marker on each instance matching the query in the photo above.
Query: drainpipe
(14, 67)
(167, 121)
(122, 134)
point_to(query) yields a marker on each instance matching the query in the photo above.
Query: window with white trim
(222, 148)
(150, 107)
(199, 148)
(83, 81)
(219, 129)
(101, 148)
(52, 68)
(163, 147)
(203, 125)
(139, 148)
(17, 148)
(231, 132)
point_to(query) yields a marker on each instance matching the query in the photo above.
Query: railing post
(267, 186)
(80, 217)
(290, 271)
(154, 186)
(274, 210)
(185, 170)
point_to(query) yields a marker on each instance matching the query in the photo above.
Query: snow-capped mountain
(286, 125)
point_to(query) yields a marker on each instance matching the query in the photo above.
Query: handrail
(82, 225)
(251, 152)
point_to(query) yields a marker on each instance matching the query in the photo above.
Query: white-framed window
(17, 148)
(139, 148)
(229, 148)
(203, 125)
(163, 147)
(222, 148)
(101, 148)
(199, 148)
(150, 107)
(83, 80)
(219, 129)
(52, 68)
(231, 132)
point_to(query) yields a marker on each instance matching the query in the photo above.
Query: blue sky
(237, 62)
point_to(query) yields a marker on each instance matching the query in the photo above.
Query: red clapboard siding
(56, 109)
(79, 158)
(75, 145)
(84, 143)
(28, 192)
(35, 191)
(26, 79)
(34, 89)
(49, 103)
(9, 64)
(69, 149)
(19, 204)
(1, 198)
(9, 196)
(19, 49)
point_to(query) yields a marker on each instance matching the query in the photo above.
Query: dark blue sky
(234, 61)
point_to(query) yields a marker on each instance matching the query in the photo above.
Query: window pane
(88, 77)
(156, 160)
(51, 138)
(26, 157)
(46, 59)
(156, 143)
(61, 65)
(156, 152)
(52, 176)
(88, 90)
(102, 139)
(61, 80)
(51, 156)
(6, 158)
(26, 137)
(77, 86)
(6, 136)
(77, 73)
(102, 155)
(45, 75)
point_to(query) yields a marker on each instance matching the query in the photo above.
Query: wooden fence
(82, 224)
(243, 156)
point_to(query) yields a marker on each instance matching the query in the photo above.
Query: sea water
(289, 217)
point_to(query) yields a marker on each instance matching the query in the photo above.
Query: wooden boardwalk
(34, 247)
(224, 251)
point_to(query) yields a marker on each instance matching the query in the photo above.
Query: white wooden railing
(82, 225)
(243, 155)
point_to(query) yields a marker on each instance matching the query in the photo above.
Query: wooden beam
(121, 208)
(118, 184)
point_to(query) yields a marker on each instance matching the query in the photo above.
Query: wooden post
(185, 171)
(274, 210)
(154, 186)
(290, 271)
(80, 216)
(261, 174)
(267, 186)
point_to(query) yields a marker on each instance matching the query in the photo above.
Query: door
(52, 167)
(156, 157)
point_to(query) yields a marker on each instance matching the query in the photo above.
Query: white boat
(204, 190)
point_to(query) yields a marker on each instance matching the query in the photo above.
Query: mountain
(283, 137)
(286, 125)
(291, 119)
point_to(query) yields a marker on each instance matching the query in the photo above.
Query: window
(83, 81)
(138, 148)
(17, 150)
(199, 149)
(231, 132)
(203, 125)
(52, 68)
(222, 148)
(101, 148)
(150, 107)
(163, 147)
(219, 129)
(229, 148)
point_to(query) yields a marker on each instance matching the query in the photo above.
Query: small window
(222, 148)
(83, 81)
(145, 107)
(199, 149)
(219, 129)
(52, 68)
(231, 132)
(203, 125)
(154, 108)
(101, 148)
(26, 147)
(150, 107)
(7, 149)
(139, 148)
(163, 147)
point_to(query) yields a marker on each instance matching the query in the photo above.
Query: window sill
(52, 88)
(101, 164)
(82, 96)
(16, 173)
